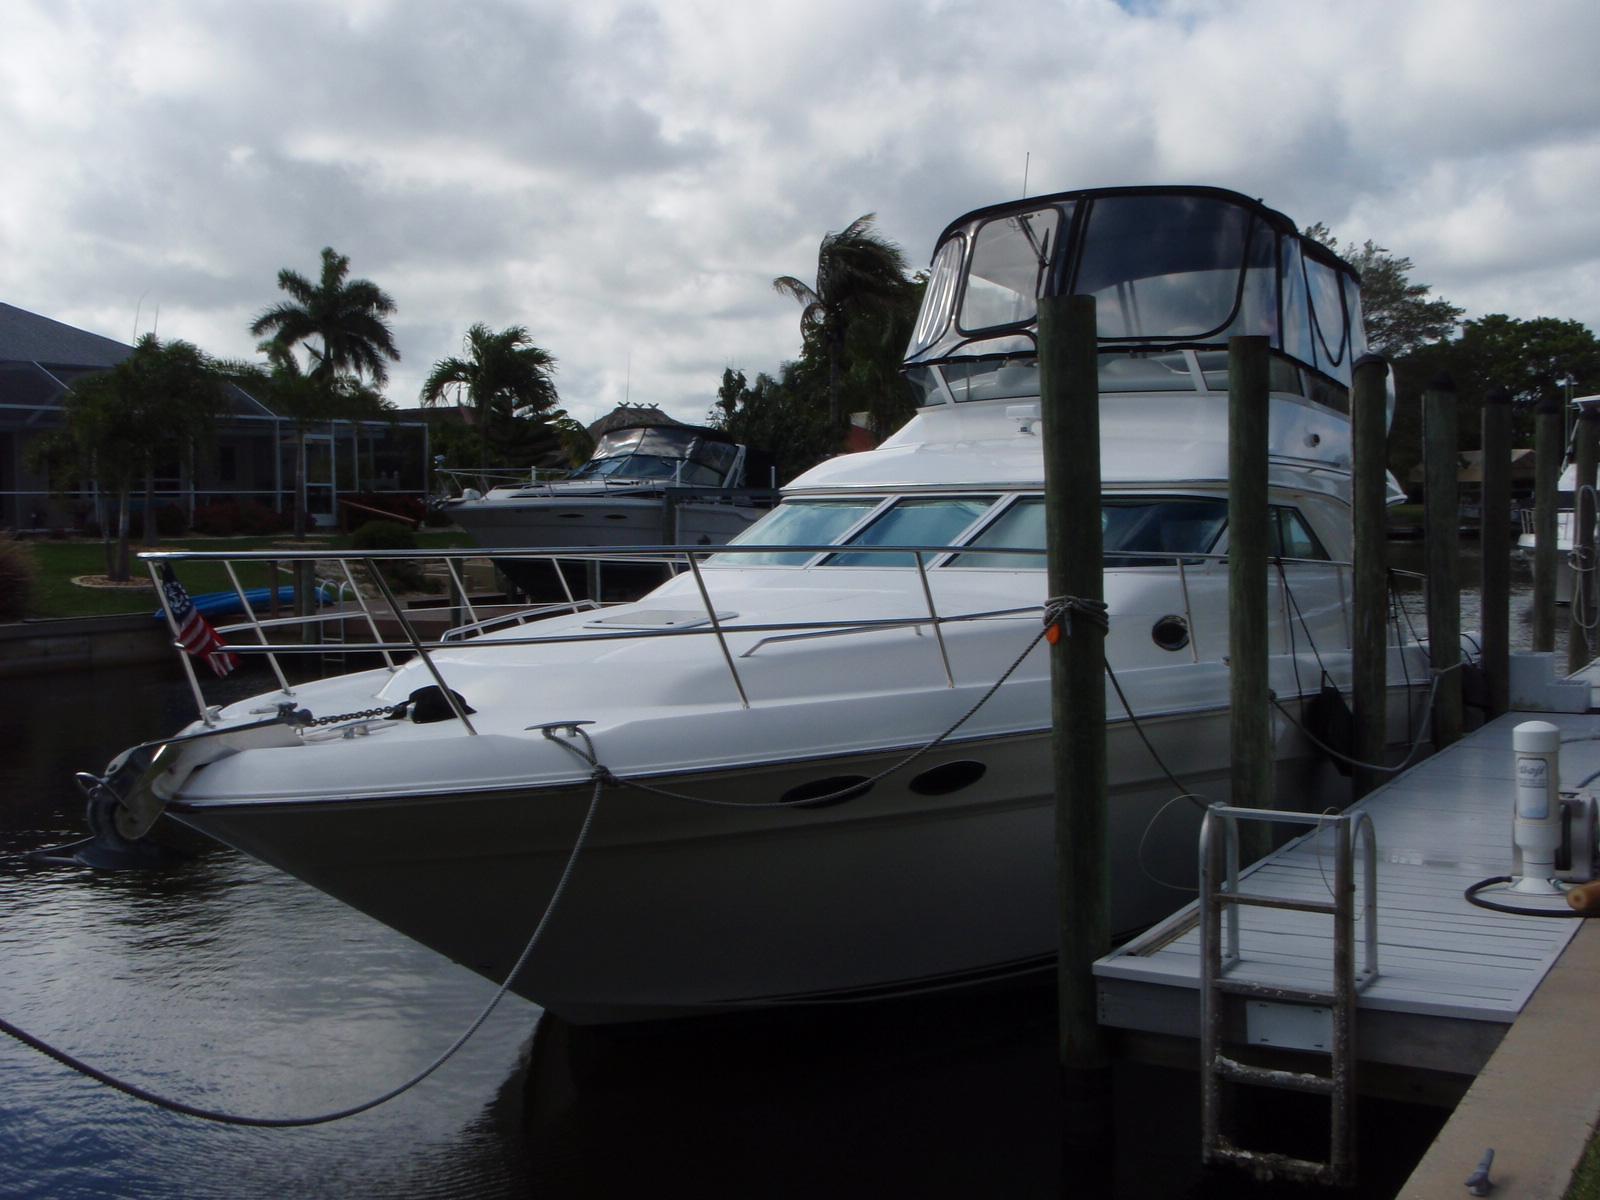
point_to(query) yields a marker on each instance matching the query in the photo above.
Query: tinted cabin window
(797, 523)
(1292, 537)
(1137, 532)
(931, 521)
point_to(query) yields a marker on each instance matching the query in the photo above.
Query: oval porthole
(1170, 632)
(823, 793)
(948, 777)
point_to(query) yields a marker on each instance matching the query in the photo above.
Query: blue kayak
(222, 604)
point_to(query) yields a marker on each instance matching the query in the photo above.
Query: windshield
(682, 455)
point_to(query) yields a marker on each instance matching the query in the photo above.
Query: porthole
(1170, 632)
(948, 777)
(824, 793)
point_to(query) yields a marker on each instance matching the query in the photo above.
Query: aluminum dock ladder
(1331, 1011)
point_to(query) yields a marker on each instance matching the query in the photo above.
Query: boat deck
(1452, 976)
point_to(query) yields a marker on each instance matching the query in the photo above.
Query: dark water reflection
(224, 983)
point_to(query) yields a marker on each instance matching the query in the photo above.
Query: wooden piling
(1369, 420)
(1442, 552)
(1248, 545)
(1070, 437)
(1548, 445)
(1495, 542)
(1581, 639)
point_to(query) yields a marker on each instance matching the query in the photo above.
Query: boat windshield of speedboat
(679, 454)
(824, 747)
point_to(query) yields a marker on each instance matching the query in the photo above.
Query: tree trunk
(151, 536)
(299, 482)
(483, 448)
(119, 568)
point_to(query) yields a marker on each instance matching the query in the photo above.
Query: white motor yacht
(760, 838)
(620, 496)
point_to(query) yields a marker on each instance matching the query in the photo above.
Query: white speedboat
(1566, 490)
(787, 853)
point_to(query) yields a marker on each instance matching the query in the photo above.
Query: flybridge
(1175, 272)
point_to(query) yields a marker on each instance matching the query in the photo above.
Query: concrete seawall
(82, 643)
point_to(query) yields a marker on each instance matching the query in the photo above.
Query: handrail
(677, 556)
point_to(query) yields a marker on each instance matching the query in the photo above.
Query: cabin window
(1010, 259)
(797, 523)
(1143, 531)
(921, 521)
(1292, 537)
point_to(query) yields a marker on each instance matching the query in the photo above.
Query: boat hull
(678, 909)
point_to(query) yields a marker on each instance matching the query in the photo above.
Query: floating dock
(1452, 976)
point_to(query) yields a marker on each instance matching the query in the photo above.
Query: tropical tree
(503, 376)
(341, 321)
(1398, 313)
(858, 273)
(1531, 359)
(307, 399)
(158, 403)
(780, 416)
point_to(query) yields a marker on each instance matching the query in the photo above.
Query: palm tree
(346, 316)
(857, 272)
(503, 375)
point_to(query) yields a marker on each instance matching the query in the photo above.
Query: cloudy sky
(625, 179)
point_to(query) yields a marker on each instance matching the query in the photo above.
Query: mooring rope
(226, 1118)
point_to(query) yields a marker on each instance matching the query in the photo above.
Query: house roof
(28, 337)
(40, 359)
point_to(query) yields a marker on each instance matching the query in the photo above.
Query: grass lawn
(1586, 1180)
(55, 595)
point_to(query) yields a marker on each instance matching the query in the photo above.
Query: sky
(626, 179)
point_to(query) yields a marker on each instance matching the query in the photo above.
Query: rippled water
(224, 983)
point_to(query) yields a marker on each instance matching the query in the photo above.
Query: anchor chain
(393, 710)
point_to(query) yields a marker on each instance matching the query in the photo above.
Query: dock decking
(1451, 976)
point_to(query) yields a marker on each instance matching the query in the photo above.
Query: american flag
(195, 634)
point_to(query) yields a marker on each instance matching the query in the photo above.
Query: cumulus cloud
(625, 178)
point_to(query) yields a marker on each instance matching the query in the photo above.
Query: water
(224, 983)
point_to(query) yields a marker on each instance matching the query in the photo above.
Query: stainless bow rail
(276, 637)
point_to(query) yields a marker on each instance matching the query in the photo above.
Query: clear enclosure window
(797, 523)
(1164, 266)
(939, 296)
(931, 521)
(1327, 312)
(1009, 261)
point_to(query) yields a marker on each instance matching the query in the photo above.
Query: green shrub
(383, 535)
(18, 570)
(171, 521)
(387, 535)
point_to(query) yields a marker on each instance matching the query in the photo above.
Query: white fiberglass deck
(1452, 976)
